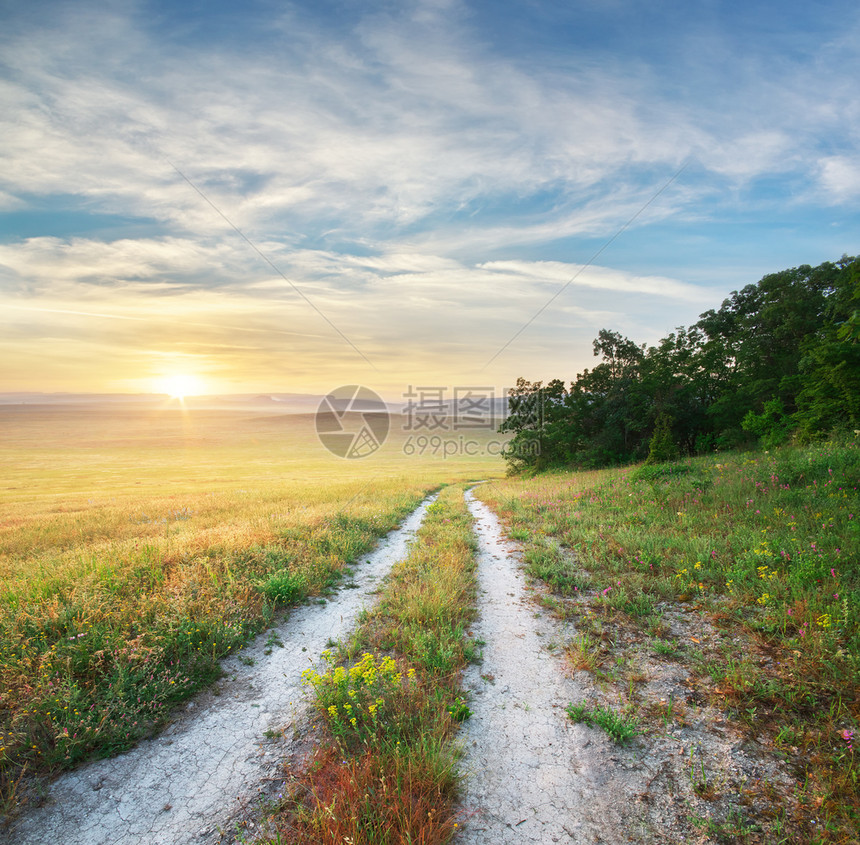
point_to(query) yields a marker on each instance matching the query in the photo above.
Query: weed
(667, 648)
(585, 652)
(459, 711)
(548, 562)
(366, 701)
(699, 777)
(620, 728)
(734, 829)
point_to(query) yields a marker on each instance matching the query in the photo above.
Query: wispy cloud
(405, 171)
(412, 314)
(361, 135)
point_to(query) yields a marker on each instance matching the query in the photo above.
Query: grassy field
(763, 549)
(384, 770)
(140, 545)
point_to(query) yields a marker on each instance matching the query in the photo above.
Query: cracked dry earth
(532, 775)
(190, 781)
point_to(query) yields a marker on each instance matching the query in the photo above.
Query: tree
(778, 358)
(662, 446)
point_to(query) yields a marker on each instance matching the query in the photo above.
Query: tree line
(779, 359)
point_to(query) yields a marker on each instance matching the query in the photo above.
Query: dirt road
(533, 776)
(183, 785)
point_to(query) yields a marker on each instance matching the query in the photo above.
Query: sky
(288, 197)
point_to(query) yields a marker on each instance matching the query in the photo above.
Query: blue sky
(426, 175)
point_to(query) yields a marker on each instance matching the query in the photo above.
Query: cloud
(392, 164)
(601, 278)
(840, 178)
(410, 314)
(367, 133)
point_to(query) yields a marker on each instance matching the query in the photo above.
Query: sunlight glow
(180, 385)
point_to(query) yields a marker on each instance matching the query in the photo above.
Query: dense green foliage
(780, 358)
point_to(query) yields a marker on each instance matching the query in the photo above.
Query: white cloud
(409, 126)
(382, 132)
(408, 313)
(405, 136)
(840, 178)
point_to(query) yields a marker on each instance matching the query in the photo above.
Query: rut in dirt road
(531, 774)
(180, 787)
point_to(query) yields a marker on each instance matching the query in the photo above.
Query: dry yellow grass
(139, 545)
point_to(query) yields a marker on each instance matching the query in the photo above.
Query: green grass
(138, 547)
(390, 699)
(763, 546)
(619, 728)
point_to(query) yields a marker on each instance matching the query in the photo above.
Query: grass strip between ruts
(390, 702)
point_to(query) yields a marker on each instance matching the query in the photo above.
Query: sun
(180, 385)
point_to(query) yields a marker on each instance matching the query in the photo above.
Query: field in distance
(138, 545)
